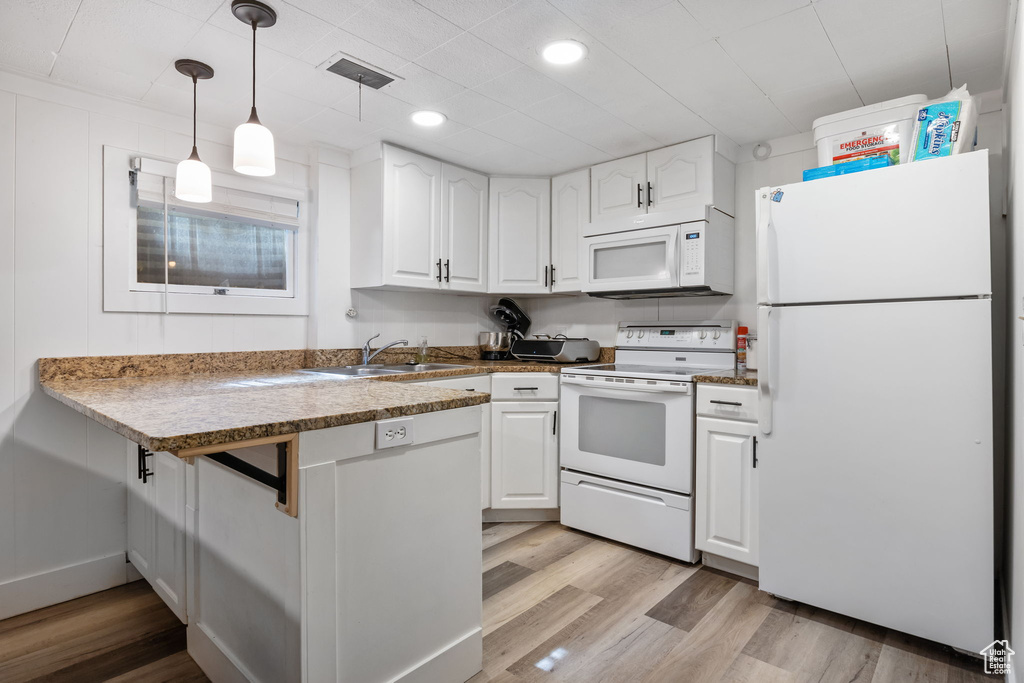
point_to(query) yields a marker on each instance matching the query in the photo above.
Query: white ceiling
(657, 72)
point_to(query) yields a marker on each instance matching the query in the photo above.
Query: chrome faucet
(367, 356)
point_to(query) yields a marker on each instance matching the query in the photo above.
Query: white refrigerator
(875, 384)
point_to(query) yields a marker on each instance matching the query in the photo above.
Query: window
(210, 250)
(242, 253)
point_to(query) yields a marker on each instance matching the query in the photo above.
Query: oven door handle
(682, 388)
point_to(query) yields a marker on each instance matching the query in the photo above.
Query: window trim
(121, 292)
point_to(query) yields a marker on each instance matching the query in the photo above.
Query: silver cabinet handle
(726, 403)
(525, 388)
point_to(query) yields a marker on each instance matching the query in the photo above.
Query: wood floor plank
(520, 546)
(709, 649)
(505, 645)
(176, 668)
(540, 556)
(503, 576)
(501, 532)
(67, 621)
(124, 659)
(59, 653)
(630, 573)
(746, 669)
(813, 643)
(517, 598)
(617, 619)
(895, 664)
(692, 600)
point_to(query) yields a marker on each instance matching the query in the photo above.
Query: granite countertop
(173, 402)
(747, 378)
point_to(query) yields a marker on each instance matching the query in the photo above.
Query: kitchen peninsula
(363, 564)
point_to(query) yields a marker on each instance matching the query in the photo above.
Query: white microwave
(690, 259)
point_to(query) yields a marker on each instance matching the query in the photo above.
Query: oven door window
(618, 428)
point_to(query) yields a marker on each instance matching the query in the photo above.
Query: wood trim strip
(291, 505)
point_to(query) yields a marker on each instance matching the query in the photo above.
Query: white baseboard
(524, 515)
(67, 583)
(726, 564)
(459, 661)
(217, 666)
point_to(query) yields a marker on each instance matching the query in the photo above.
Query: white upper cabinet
(412, 218)
(617, 188)
(664, 187)
(418, 223)
(464, 229)
(520, 235)
(681, 176)
(570, 212)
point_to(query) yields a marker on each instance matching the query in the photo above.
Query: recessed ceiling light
(564, 51)
(428, 118)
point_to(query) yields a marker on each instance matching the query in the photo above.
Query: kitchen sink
(378, 370)
(357, 370)
(423, 367)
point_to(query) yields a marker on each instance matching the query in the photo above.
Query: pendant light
(192, 182)
(254, 143)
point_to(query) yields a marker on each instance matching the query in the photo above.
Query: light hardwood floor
(559, 605)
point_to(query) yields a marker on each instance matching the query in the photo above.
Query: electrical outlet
(397, 432)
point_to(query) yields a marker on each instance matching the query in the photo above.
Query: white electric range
(626, 442)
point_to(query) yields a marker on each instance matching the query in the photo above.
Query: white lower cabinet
(524, 454)
(481, 383)
(726, 485)
(156, 523)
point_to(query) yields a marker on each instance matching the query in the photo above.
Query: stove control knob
(629, 334)
(717, 334)
(640, 334)
(703, 334)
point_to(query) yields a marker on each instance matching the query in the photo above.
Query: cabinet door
(619, 188)
(140, 515)
(524, 455)
(520, 235)
(682, 176)
(570, 212)
(464, 229)
(412, 219)
(726, 489)
(167, 498)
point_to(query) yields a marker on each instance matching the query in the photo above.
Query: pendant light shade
(254, 143)
(192, 180)
(254, 148)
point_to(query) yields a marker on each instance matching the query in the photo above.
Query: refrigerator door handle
(764, 223)
(767, 342)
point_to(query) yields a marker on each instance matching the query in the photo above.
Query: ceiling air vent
(360, 73)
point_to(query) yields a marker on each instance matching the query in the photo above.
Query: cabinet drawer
(730, 402)
(524, 386)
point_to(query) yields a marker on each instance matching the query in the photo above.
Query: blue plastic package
(944, 128)
(865, 164)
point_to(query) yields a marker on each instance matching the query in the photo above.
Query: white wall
(62, 498)
(1013, 576)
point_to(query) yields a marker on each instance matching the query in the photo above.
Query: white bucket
(874, 129)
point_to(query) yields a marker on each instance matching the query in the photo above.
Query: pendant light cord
(195, 94)
(254, 66)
